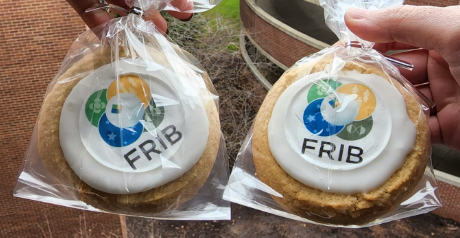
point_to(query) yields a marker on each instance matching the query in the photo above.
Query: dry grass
(215, 43)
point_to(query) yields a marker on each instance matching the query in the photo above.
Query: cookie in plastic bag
(130, 125)
(341, 139)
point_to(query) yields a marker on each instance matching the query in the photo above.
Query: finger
(435, 130)
(412, 25)
(446, 96)
(448, 125)
(183, 9)
(93, 18)
(442, 84)
(419, 59)
(425, 90)
(393, 46)
(157, 19)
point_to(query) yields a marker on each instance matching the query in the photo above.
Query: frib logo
(344, 110)
(123, 111)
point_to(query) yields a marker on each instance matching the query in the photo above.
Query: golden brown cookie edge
(168, 196)
(336, 208)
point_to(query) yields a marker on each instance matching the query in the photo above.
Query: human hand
(435, 30)
(95, 18)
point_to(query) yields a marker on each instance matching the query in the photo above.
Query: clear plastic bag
(341, 139)
(193, 5)
(129, 125)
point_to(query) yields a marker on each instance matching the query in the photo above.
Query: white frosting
(386, 134)
(147, 155)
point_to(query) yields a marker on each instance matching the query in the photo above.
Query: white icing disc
(345, 136)
(133, 134)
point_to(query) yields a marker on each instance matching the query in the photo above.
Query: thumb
(431, 28)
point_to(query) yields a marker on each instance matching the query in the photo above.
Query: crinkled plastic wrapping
(129, 125)
(192, 5)
(334, 12)
(341, 139)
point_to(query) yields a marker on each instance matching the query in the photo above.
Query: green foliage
(232, 47)
(229, 9)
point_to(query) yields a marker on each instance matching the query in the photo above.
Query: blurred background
(245, 45)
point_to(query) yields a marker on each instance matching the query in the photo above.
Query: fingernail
(357, 13)
(188, 19)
